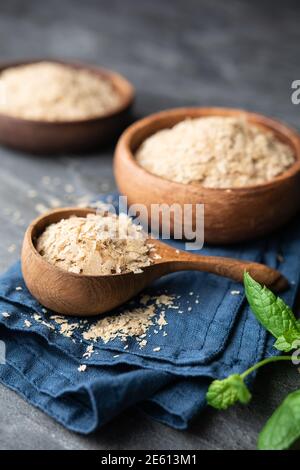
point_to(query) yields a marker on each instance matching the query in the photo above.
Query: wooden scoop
(77, 294)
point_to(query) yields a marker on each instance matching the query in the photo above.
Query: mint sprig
(283, 428)
(224, 393)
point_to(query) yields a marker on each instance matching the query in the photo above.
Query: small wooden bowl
(62, 291)
(44, 137)
(232, 214)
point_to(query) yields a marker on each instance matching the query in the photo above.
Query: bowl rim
(289, 135)
(118, 81)
(28, 238)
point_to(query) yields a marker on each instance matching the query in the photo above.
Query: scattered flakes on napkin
(133, 322)
(66, 328)
(5, 314)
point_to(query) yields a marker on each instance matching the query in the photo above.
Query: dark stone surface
(202, 52)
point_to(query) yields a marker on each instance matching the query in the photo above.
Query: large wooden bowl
(232, 214)
(43, 137)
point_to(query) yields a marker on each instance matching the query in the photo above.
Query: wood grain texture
(231, 215)
(195, 53)
(43, 137)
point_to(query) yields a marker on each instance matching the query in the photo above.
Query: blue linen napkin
(211, 333)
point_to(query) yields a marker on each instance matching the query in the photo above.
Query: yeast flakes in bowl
(52, 106)
(234, 212)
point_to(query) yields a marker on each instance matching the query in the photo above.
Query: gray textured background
(201, 52)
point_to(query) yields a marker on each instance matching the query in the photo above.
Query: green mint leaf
(224, 393)
(287, 341)
(273, 313)
(283, 428)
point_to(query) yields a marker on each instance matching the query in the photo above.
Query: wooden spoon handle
(231, 268)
